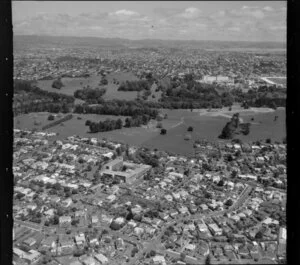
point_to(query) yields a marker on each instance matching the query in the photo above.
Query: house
(94, 219)
(65, 220)
(101, 258)
(49, 243)
(49, 213)
(80, 214)
(29, 242)
(31, 257)
(159, 260)
(66, 203)
(66, 245)
(31, 206)
(80, 239)
(215, 229)
(204, 207)
(88, 261)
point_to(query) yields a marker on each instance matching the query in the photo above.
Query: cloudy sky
(195, 20)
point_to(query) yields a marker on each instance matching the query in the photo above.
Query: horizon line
(145, 39)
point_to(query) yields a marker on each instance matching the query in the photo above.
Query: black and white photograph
(149, 132)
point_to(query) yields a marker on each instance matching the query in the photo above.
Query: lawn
(209, 127)
(73, 84)
(33, 120)
(70, 84)
(205, 127)
(112, 89)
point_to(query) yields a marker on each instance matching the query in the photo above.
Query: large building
(216, 79)
(124, 171)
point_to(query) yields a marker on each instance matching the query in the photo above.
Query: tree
(221, 183)
(207, 260)
(55, 220)
(87, 123)
(190, 129)
(104, 81)
(259, 235)
(163, 131)
(268, 141)
(119, 124)
(50, 117)
(57, 84)
(182, 256)
(152, 253)
(134, 251)
(229, 203)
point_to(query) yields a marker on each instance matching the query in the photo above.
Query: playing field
(73, 84)
(70, 84)
(205, 126)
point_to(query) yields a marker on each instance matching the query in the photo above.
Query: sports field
(206, 125)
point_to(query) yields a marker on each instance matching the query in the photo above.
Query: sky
(182, 20)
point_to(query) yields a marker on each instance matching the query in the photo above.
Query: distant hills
(23, 41)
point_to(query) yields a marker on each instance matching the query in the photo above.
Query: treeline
(192, 95)
(30, 98)
(42, 107)
(138, 85)
(264, 96)
(110, 125)
(27, 86)
(90, 95)
(120, 108)
(66, 118)
(104, 126)
(137, 121)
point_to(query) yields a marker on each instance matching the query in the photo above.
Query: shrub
(57, 84)
(268, 141)
(50, 117)
(163, 131)
(190, 129)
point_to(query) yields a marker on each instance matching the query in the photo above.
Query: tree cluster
(89, 95)
(136, 121)
(30, 98)
(104, 126)
(234, 127)
(138, 85)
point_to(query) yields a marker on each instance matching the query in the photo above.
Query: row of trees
(119, 108)
(138, 85)
(43, 107)
(54, 123)
(109, 124)
(137, 121)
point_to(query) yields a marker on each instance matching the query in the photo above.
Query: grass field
(73, 84)
(70, 84)
(207, 126)
(112, 89)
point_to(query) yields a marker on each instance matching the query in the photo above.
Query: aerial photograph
(149, 132)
